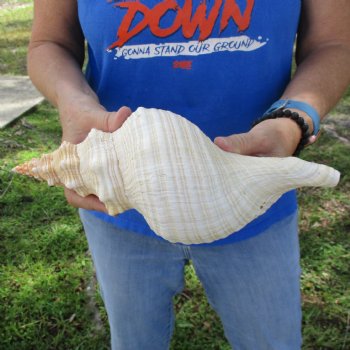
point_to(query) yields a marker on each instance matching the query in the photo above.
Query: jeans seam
(171, 321)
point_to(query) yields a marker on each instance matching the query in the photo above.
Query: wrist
(306, 117)
(278, 137)
(68, 94)
(78, 113)
(288, 134)
(312, 117)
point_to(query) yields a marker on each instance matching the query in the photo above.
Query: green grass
(325, 243)
(344, 106)
(15, 24)
(46, 271)
(45, 265)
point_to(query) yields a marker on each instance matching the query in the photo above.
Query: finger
(312, 139)
(223, 144)
(240, 143)
(90, 202)
(112, 121)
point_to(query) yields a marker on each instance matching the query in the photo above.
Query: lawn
(48, 293)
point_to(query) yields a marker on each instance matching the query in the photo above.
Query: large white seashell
(186, 187)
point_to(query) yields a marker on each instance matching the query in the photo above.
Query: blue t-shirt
(218, 63)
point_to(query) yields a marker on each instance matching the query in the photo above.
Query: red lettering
(201, 19)
(124, 32)
(158, 12)
(231, 10)
(182, 64)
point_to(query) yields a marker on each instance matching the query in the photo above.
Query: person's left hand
(270, 138)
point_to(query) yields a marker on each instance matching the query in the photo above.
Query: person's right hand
(77, 119)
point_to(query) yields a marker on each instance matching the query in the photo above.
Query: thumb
(111, 121)
(240, 143)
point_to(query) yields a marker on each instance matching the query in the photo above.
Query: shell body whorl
(188, 189)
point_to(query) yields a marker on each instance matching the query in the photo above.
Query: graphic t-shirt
(218, 63)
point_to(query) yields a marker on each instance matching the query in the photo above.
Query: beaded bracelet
(286, 113)
(301, 106)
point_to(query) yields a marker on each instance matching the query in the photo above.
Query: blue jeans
(253, 285)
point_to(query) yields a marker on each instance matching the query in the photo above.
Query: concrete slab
(17, 95)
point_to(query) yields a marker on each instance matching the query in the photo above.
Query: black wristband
(286, 113)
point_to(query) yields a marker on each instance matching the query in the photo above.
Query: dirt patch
(338, 126)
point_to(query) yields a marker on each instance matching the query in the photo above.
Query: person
(221, 64)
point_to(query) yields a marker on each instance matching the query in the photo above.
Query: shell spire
(28, 168)
(49, 166)
(187, 188)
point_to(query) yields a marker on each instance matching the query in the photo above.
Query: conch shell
(187, 188)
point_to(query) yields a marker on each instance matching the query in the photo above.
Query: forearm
(321, 78)
(57, 74)
(322, 55)
(56, 53)
(55, 59)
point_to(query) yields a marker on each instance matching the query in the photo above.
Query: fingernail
(222, 141)
(312, 139)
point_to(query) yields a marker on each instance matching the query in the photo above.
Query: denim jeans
(253, 285)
